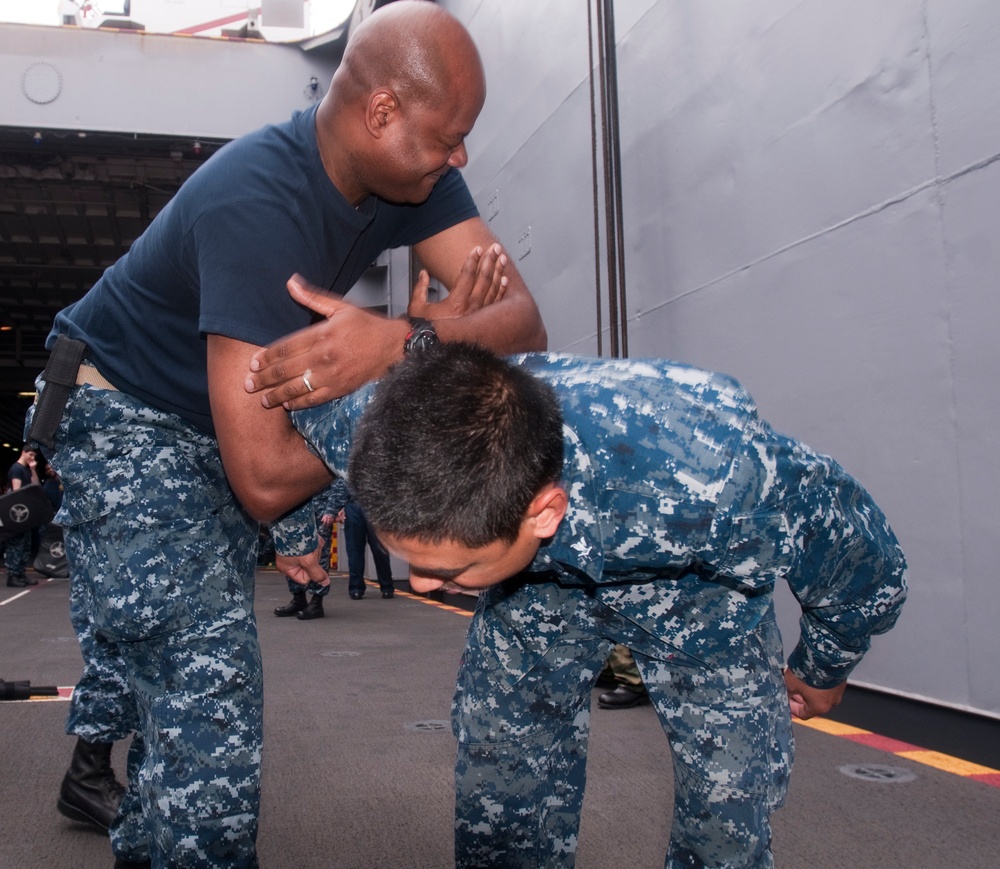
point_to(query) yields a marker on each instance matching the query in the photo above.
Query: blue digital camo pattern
(521, 766)
(330, 502)
(285, 532)
(162, 563)
(17, 554)
(102, 708)
(672, 475)
(295, 533)
(685, 510)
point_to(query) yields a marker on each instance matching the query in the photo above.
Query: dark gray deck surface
(358, 760)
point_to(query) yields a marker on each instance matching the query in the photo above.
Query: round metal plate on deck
(876, 772)
(432, 726)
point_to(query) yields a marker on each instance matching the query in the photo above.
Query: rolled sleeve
(296, 533)
(327, 430)
(850, 581)
(790, 513)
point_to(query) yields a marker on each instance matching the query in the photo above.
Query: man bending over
(600, 501)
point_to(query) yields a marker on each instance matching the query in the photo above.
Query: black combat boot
(314, 609)
(90, 793)
(298, 603)
(19, 580)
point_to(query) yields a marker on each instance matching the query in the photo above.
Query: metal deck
(358, 757)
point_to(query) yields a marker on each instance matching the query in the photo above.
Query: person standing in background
(327, 505)
(17, 551)
(358, 533)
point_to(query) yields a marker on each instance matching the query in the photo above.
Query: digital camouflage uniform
(330, 501)
(684, 510)
(145, 490)
(162, 564)
(17, 549)
(17, 554)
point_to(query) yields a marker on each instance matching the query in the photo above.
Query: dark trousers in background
(357, 534)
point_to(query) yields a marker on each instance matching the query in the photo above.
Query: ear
(547, 509)
(382, 105)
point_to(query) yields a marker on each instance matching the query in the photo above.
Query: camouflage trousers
(522, 718)
(162, 562)
(17, 554)
(312, 587)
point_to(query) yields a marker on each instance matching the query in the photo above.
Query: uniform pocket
(137, 571)
(760, 551)
(515, 625)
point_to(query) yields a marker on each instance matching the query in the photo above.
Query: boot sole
(75, 814)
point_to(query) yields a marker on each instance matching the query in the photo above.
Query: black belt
(60, 378)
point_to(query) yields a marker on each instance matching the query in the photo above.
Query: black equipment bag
(51, 558)
(24, 509)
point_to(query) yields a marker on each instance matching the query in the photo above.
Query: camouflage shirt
(685, 509)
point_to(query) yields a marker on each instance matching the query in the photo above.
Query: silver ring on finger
(305, 380)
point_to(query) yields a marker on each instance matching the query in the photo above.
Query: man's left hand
(302, 568)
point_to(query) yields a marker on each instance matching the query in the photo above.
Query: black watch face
(422, 337)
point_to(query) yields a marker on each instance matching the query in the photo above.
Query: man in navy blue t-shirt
(17, 551)
(168, 455)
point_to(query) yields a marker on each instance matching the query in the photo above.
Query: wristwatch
(421, 336)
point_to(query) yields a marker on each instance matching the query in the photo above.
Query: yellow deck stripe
(934, 759)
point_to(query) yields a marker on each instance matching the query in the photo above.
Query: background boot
(90, 793)
(298, 603)
(314, 610)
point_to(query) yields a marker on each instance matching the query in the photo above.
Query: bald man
(170, 456)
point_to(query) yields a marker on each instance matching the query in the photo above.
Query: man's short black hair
(454, 446)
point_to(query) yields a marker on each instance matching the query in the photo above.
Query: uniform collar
(577, 550)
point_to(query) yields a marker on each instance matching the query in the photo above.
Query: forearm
(269, 466)
(295, 533)
(796, 515)
(269, 483)
(509, 326)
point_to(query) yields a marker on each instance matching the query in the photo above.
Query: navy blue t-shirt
(19, 472)
(216, 260)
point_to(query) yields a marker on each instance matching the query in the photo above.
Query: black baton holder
(60, 377)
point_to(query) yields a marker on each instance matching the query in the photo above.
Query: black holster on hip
(60, 377)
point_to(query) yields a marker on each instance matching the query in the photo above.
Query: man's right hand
(352, 345)
(808, 702)
(328, 359)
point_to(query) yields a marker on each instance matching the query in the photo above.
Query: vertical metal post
(613, 212)
(599, 307)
